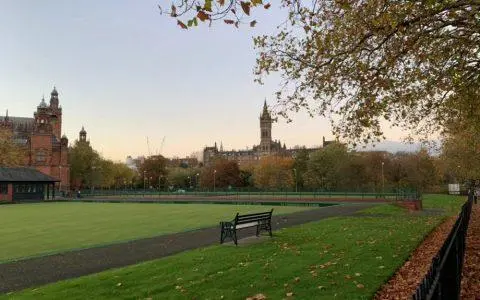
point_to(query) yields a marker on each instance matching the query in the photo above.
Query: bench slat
(252, 224)
(251, 220)
(256, 214)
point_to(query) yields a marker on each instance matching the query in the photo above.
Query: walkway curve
(37, 271)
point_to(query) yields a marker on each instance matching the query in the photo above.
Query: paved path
(47, 269)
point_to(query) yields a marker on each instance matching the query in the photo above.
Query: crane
(148, 146)
(161, 145)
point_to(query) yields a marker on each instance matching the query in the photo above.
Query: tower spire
(83, 135)
(54, 98)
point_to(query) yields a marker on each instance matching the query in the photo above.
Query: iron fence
(256, 194)
(444, 276)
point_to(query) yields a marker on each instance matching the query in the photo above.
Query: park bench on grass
(260, 220)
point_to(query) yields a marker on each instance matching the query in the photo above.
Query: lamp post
(91, 183)
(296, 181)
(196, 180)
(383, 179)
(60, 185)
(144, 182)
(214, 177)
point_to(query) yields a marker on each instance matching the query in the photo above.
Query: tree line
(332, 168)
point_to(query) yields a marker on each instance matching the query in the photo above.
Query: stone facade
(266, 147)
(46, 149)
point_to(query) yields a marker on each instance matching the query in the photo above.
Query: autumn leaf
(221, 2)
(289, 294)
(229, 21)
(257, 297)
(173, 13)
(181, 24)
(203, 16)
(256, 2)
(252, 24)
(267, 6)
(246, 7)
(208, 5)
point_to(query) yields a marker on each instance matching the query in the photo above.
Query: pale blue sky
(125, 72)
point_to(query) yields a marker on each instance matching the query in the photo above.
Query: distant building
(41, 137)
(133, 163)
(185, 162)
(266, 147)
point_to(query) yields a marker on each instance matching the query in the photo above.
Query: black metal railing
(445, 274)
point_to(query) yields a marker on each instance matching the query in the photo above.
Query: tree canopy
(361, 62)
(88, 168)
(11, 154)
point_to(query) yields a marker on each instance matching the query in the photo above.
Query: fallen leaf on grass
(257, 297)
(290, 294)
(119, 284)
(297, 279)
(360, 286)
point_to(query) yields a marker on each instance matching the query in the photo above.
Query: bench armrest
(226, 224)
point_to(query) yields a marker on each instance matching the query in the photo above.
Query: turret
(54, 98)
(83, 135)
(64, 141)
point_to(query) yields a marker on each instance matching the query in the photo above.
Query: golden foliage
(11, 154)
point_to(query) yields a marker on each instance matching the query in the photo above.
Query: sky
(128, 74)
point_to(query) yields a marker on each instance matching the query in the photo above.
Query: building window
(41, 157)
(3, 188)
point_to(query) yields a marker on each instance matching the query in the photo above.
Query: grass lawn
(37, 229)
(337, 258)
(445, 204)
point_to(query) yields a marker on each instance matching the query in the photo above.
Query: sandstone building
(267, 146)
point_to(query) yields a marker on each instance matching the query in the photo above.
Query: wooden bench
(263, 221)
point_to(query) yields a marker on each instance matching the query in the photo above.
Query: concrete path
(47, 269)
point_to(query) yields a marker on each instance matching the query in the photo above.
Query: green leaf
(208, 5)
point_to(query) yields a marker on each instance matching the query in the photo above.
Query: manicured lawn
(36, 229)
(337, 258)
(449, 203)
(443, 204)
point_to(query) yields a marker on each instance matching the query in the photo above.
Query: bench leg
(258, 230)
(222, 233)
(235, 237)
